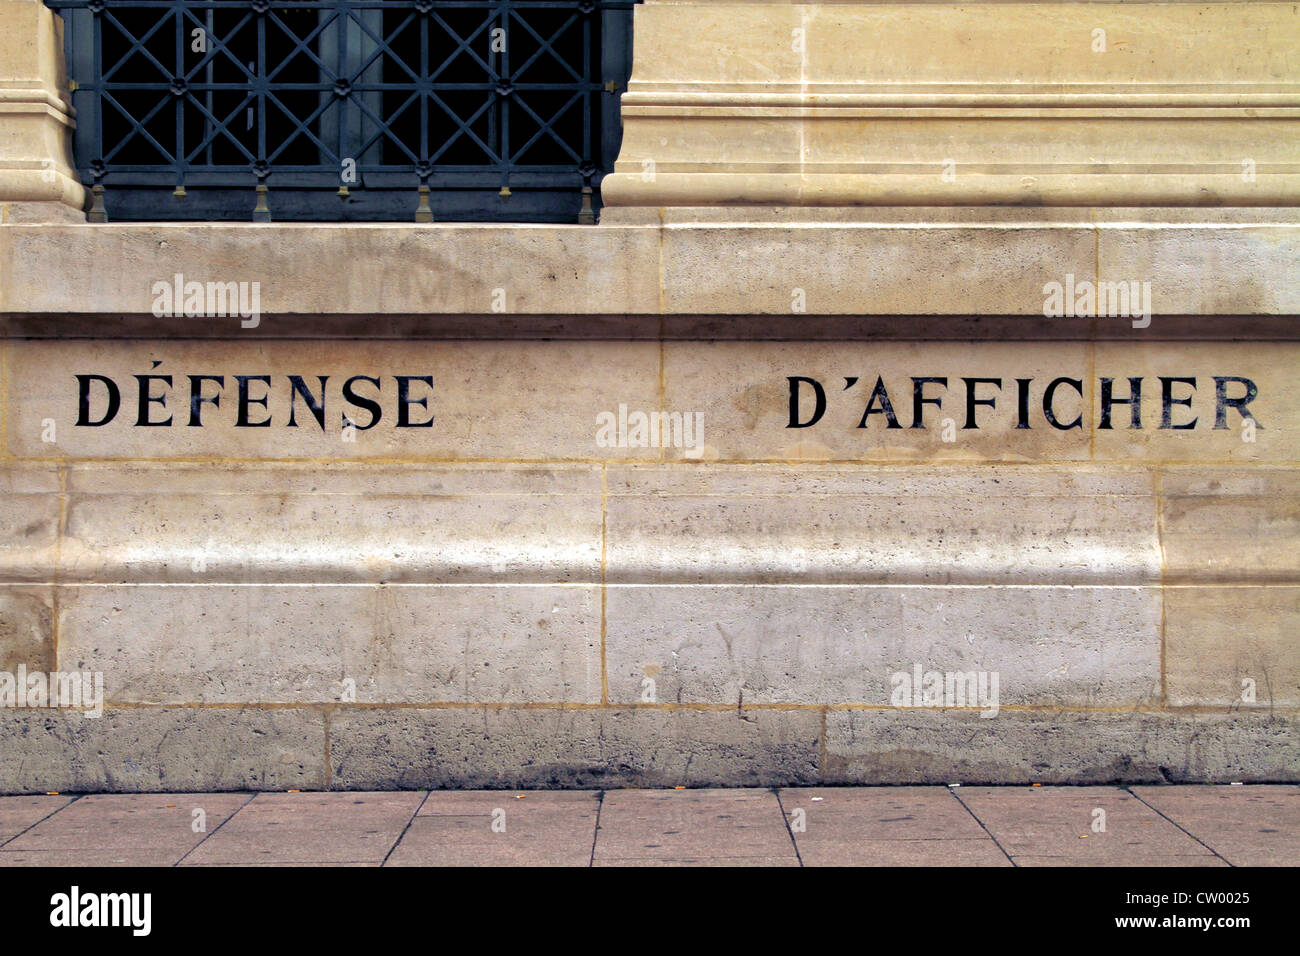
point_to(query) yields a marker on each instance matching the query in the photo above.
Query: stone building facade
(922, 408)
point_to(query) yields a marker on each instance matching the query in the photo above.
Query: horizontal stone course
(326, 644)
(193, 749)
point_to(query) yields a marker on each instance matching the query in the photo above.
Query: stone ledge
(881, 276)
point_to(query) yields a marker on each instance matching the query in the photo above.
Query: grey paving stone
(1247, 826)
(1058, 822)
(311, 828)
(691, 824)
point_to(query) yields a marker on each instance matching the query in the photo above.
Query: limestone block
(545, 399)
(834, 645)
(832, 524)
(177, 749)
(845, 104)
(26, 630)
(1233, 646)
(37, 181)
(331, 523)
(323, 644)
(912, 746)
(496, 747)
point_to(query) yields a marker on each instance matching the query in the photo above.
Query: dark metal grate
(381, 110)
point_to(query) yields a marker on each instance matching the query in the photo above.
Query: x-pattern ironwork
(336, 109)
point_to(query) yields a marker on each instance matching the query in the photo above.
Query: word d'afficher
(1181, 402)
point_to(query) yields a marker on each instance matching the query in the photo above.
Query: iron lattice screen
(381, 110)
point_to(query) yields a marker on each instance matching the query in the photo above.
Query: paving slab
(19, 813)
(1164, 826)
(699, 825)
(1061, 823)
(501, 828)
(138, 829)
(1247, 826)
(727, 861)
(311, 828)
(887, 826)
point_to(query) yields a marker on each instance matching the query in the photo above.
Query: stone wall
(391, 519)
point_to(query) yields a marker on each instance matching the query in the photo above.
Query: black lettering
(886, 407)
(1167, 401)
(819, 409)
(350, 396)
(147, 398)
(919, 400)
(197, 399)
(1050, 394)
(241, 419)
(1022, 402)
(1134, 401)
(404, 400)
(317, 409)
(83, 400)
(1222, 402)
(972, 401)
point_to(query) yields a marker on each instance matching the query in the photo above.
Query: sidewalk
(889, 826)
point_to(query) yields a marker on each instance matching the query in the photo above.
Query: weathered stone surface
(1233, 646)
(331, 523)
(26, 629)
(1230, 525)
(325, 644)
(497, 747)
(545, 399)
(29, 521)
(917, 746)
(835, 524)
(843, 645)
(183, 749)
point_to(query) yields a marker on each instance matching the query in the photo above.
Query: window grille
(378, 110)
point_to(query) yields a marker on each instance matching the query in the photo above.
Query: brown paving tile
(311, 828)
(126, 829)
(1057, 822)
(541, 829)
(727, 861)
(691, 824)
(1256, 825)
(19, 813)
